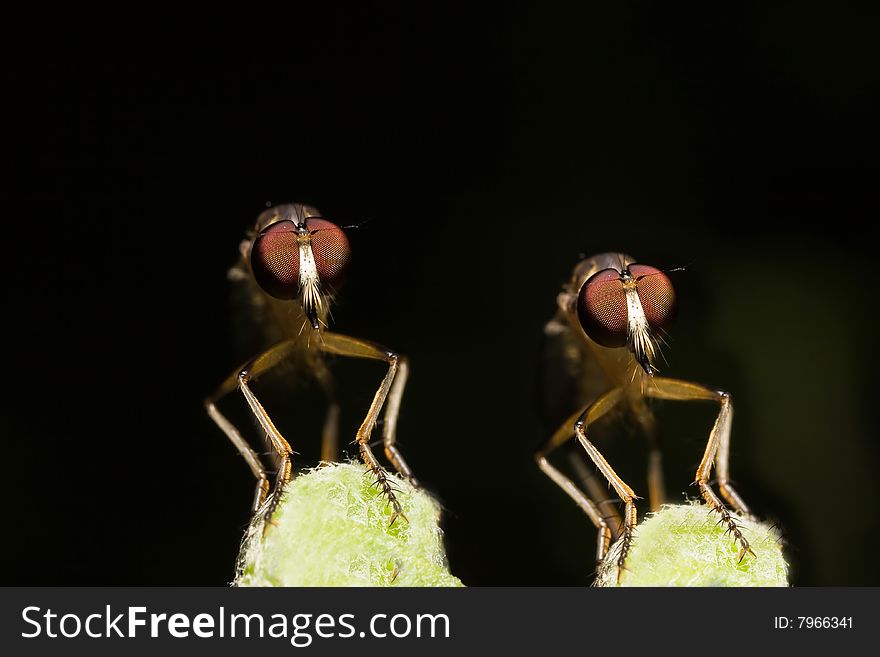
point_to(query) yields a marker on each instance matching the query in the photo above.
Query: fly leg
(656, 487)
(392, 411)
(240, 379)
(234, 435)
(592, 413)
(603, 539)
(595, 489)
(717, 451)
(344, 345)
(330, 431)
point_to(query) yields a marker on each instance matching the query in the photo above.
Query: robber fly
(610, 324)
(292, 264)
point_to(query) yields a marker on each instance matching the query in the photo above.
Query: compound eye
(330, 249)
(275, 260)
(656, 295)
(601, 307)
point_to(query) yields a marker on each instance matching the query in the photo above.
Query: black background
(487, 150)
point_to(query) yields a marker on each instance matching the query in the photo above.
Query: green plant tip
(331, 528)
(683, 545)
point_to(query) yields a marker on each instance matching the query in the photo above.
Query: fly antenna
(357, 225)
(680, 268)
(665, 271)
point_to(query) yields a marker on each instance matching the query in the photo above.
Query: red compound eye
(330, 249)
(275, 260)
(601, 307)
(656, 295)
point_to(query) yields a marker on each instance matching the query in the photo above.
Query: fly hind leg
(330, 430)
(645, 418)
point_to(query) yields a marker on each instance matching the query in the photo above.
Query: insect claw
(744, 551)
(395, 516)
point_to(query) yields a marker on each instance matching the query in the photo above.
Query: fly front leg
(592, 413)
(595, 489)
(235, 437)
(240, 379)
(717, 451)
(626, 494)
(603, 539)
(344, 345)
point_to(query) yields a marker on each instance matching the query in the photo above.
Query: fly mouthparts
(312, 314)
